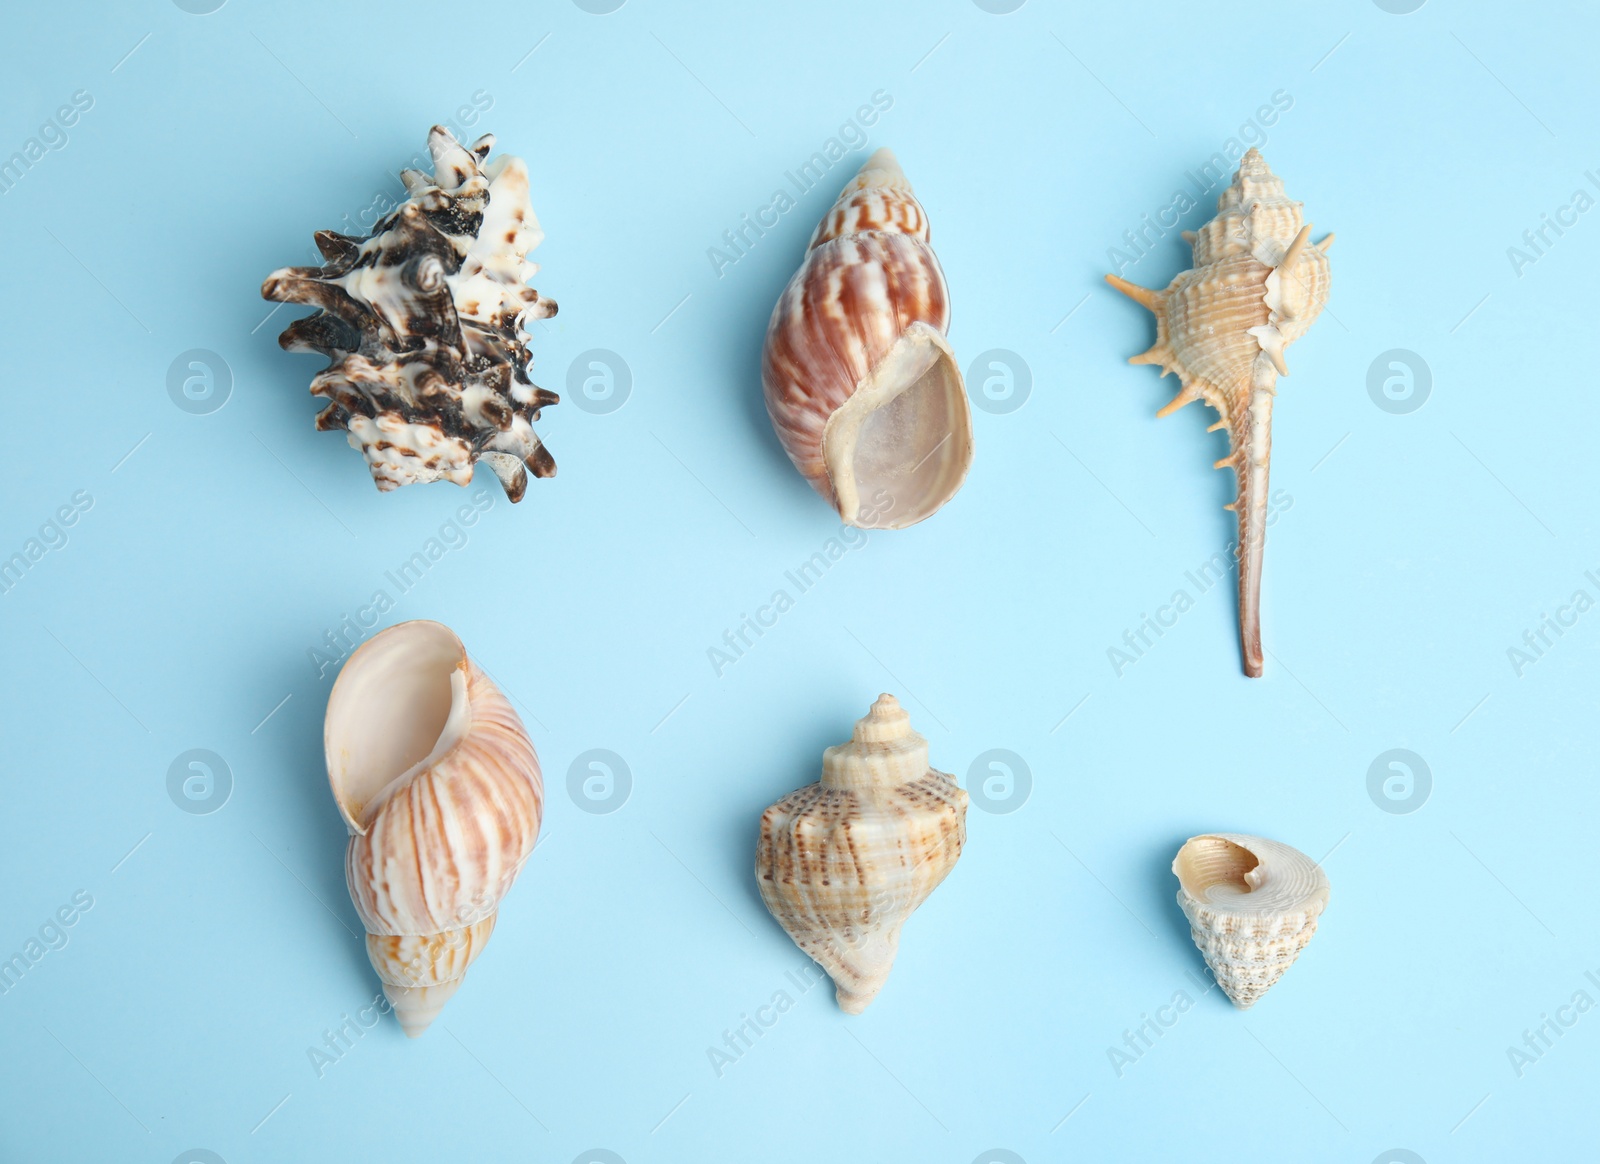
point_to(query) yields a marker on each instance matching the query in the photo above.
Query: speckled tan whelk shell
(844, 862)
(425, 325)
(1252, 906)
(864, 392)
(1256, 285)
(440, 788)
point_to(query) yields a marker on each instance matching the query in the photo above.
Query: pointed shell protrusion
(1256, 285)
(843, 863)
(1252, 906)
(440, 789)
(425, 325)
(863, 390)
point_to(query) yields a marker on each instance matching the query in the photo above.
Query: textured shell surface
(863, 390)
(1256, 286)
(425, 325)
(841, 864)
(441, 791)
(1252, 906)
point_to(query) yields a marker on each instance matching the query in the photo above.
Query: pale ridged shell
(843, 863)
(1256, 285)
(863, 390)
(1252, 906)
(441, 790)
(425, 325)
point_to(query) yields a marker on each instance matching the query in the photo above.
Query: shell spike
(1154, 300)
(1187, 396)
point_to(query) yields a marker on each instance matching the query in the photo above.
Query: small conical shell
(862, 387)
(1252, 906)
(1256, 285)
(440, 788)
(844, 862)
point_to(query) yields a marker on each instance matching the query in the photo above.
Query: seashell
(862, 387)
(425, 325)
(1252, 906)
(1256, 285)
(843, 863)
(440, 788)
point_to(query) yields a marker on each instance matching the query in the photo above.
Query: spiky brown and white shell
(1252, 906)
(1256, 285)
(425, 324)
(440, 788)
(843, 863)
(863, 390)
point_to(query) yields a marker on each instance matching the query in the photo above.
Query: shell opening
(899, 448)
(399, 704)
(1213, 868)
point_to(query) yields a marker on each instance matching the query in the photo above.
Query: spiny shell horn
(863, 390)
(440, 788)
(1256, 285)
(425, 325)
(843, 863)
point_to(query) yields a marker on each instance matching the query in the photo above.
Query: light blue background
(1417, 549)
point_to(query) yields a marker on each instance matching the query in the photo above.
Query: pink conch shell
(1256, 285)
(863, 390)
(440, 788)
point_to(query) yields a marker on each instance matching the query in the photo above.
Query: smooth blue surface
(1410, 553)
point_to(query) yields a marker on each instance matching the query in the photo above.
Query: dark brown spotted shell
(425, 322)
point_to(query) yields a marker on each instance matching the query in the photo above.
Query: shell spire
(440, 789)
(843, 863)
(863, 390)
(1257, 284)
(425, 325)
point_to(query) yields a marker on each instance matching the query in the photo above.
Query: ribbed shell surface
(868, 275)
(444, 848)
(839, 869)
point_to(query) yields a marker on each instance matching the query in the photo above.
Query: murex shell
(1222, 326)
(844, 862)
(425, 324)
(440, 788)
(1252, 906)
(862, 387)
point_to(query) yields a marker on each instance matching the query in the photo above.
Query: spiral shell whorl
(859, 329)
(843, 863)
(436, 845)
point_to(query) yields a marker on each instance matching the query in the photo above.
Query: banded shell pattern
(863, 390)
(440, 788)
(843, 863)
